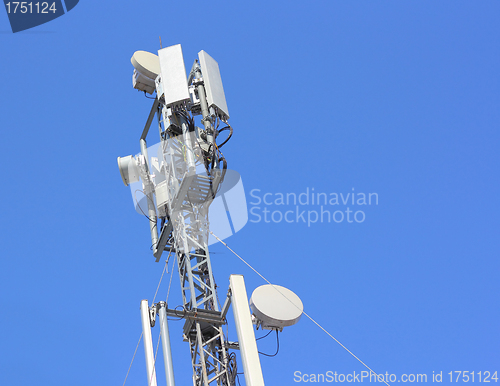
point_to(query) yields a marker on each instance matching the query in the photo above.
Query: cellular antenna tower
(179, 184)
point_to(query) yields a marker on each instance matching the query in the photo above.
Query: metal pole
(151, 207)
(189, 154)
(204, 108)
(244, 329)
(165, 344)
(148, 343)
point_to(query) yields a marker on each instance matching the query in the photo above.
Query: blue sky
(395, 98)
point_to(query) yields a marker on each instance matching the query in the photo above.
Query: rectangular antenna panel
(213, 83)
(173, 75)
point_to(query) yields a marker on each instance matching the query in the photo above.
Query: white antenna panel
(213, 83)
(173, 75)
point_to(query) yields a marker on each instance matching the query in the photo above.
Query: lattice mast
(180, 184)
(194, 169)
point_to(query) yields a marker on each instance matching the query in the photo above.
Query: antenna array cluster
(180, 182)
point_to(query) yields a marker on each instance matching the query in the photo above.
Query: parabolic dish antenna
(146, 63)
(275, 306)
(128, 170)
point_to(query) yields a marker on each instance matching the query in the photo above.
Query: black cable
(212, 154)
(223, 129)
(148, 97)
(277, 349)
(183, 314)
(182, 112)
(145, 195)
(228, 137)
(224, 169)
(188, 118)
(232, 370)
(265, 336)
